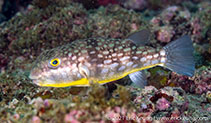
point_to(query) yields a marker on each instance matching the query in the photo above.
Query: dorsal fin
(140, 37)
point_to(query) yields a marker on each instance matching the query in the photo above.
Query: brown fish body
(96, 60)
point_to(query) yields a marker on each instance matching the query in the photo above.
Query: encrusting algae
(46, 24)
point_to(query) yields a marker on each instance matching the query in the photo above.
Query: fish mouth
(33, 76)
(38, 80)
(35, 79)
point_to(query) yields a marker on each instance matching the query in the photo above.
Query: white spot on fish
(129, 64)
(67, 69)
(149, 57)
(69, 54)
(92, 52)
(144, 53)
(68, 63)
(74, 65)
(120, 54)
(114, 54)
(124, 58)
(105, 52)
(114, 65)
(143, 59)
(94, 60)
(127, 49)
(155, 55)
(74, 58)
(121, 68)
(114, 59)
(74, 70)
(120, 47)
(100, 65)
(162, 59)
(154, 61)
(75, 51)
(84, 51)
(124, 62)
(107, 61)
(138, 52)
(82, 45)
(111, 45)
(99, 43)
(162, 53)
(135, 57)
(134, 47)
(105, 70)
(147, 63)
(64, 59)
(135, 65)
(79, 75)
(97, 48)
(100, 56)
(80, 58)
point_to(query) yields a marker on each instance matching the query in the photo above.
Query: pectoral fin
(139, 78)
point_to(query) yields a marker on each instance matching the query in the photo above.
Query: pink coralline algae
(169, 13)
(35, 119)
(155, 21)
(198, 84)
(120, 114)
(182, 81)
(16, 117)
(195, 24)
(112, 114)
(165, 34)
(175, 21)
(203, 84)
(73, 116)
(162, 104)
(134, 27)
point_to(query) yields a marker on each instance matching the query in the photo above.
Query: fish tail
(179, 56)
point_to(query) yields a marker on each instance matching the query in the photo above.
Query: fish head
(53, 69)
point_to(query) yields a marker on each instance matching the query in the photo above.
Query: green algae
(205, 18)
(118, 19)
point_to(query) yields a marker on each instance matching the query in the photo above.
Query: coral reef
(45, 24)
(8, 8)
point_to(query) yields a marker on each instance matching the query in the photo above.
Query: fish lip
(35, 79)
(32, 77)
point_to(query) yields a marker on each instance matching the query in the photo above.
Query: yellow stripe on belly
(81, 82)
(127, 73)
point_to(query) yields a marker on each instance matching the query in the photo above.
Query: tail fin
(180, 56)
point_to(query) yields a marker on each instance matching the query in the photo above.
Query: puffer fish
(102, 60)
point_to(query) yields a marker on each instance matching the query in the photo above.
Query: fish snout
(34, 74)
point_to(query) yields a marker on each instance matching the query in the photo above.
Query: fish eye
(54, 63)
